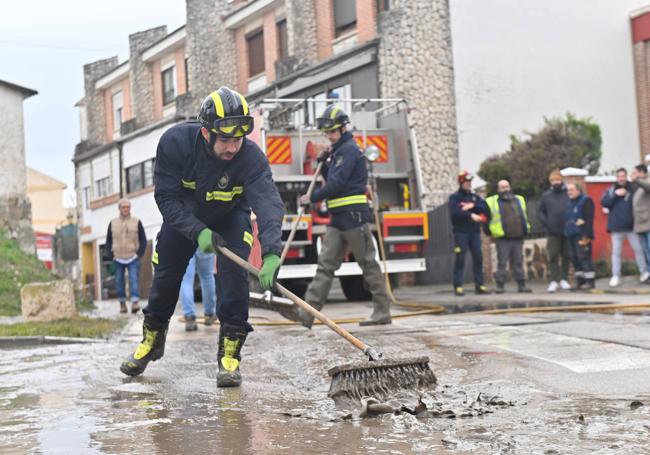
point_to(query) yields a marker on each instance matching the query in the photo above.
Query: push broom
(377, 377)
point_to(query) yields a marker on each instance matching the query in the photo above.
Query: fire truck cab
(382, 130)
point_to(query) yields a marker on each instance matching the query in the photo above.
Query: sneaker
(614, 281)
(190, 324)
(135, 307)
(552, 287)
(459, 291)
(564, 285)
(481, 290)
(644, 277)
(209, 319)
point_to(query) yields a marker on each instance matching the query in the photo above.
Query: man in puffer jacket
(620, 223)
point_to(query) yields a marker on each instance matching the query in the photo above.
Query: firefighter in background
(468, 211)
(346, 178)
(207, 177)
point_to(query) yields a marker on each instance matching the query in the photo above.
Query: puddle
(72, 399)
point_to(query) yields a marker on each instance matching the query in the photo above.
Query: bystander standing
(620, 223)
(126, 242)
(508, 226)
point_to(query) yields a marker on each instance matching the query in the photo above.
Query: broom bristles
(380, 379)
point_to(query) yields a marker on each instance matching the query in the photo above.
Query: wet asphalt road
(552, 384)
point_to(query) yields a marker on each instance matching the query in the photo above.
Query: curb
(38, 340)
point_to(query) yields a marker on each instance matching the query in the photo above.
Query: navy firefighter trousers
(171, 256)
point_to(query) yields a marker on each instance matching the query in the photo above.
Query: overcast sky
(44, 45)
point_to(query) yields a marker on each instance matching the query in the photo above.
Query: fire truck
(381, 128)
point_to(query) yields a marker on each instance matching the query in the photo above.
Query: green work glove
(269, 271)
(205, 241)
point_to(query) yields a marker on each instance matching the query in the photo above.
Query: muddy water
(72, 399)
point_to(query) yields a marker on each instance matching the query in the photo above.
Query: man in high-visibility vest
(508, 226)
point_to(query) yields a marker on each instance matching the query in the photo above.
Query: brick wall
(641, 56)
(366, 15)
(324, 28)
(270, 45)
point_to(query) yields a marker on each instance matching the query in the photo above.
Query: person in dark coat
(618, 199)
(579, 229)
(208, 177)
(552, 213)
(468, 211)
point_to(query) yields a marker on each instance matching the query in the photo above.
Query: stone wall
(416, 63)
(16, 220)
(94, 101)
(141, 75)
(301, 31)
(211, 50)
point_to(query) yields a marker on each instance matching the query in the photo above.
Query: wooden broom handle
(357, 343)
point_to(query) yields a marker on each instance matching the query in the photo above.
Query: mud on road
(73, 399)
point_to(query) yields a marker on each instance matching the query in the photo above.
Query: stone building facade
(416, 63)
(15, 209)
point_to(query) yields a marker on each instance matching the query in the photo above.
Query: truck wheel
(355, 288)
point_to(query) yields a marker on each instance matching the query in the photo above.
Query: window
(139, 176)
(103, 187)
(86, 197)
(255, 45)
(118, 106)
(345, 16)
(169, 85)
(283, 45)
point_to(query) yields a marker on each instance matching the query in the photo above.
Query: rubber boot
(297, 314)
(380, 315)
(151, 348)
(231, 340)
(521, 288)
(458, 291)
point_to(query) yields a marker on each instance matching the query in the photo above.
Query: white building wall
(517, 62)
(13, 174)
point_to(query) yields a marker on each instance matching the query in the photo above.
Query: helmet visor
(236, 126)
(327, 124)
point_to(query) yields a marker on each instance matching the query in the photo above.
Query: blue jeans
(205, 264)
(464, 241)
(134, 286)
(644, 237)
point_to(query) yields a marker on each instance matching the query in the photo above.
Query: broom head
(381, 379)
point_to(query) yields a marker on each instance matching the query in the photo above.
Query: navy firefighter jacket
(346, 177)
(194, 189)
